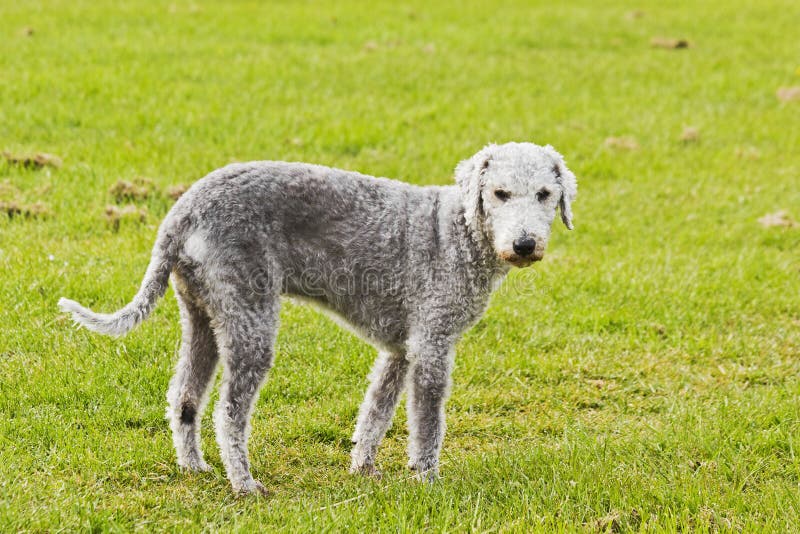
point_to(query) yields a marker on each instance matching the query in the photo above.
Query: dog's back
(339, 238)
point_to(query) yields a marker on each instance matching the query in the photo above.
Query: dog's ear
(569, 186)
(470, 178)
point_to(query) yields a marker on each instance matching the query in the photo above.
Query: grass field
(643, 377)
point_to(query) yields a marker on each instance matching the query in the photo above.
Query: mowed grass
(643, 377)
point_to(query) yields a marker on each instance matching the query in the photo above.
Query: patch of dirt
(599, 383)
(780, 219)
(176, 191)
(622, 143)
(660, 330)
(696, 465)
(747, 152)
(138, 189)
(12, 203)
(609, 523)
(28, 211)
(7, 189)
(115, 215)
(43, 190)
(788, 94)
(191, 8)
(27, 31)
(669, 42)
(33, 161)
(635, 14)
(369, 46)
(690, 135)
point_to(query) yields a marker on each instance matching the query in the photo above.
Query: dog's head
(511, 193)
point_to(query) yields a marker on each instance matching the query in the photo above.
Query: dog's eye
(502, 194)
(542, 195)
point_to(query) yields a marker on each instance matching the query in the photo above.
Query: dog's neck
(477, 246)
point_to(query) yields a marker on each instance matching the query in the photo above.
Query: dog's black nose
(524, 246)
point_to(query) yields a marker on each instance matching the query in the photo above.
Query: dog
(407, 268)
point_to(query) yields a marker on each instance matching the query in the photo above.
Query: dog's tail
(154, 285)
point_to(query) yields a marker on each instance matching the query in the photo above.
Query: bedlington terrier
(407, 268)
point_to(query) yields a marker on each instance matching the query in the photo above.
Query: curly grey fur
(407, 268)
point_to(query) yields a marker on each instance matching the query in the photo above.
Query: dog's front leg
(428, 388)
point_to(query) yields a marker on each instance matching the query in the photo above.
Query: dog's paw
(195, 465)
(430, 476)
(251, 487)
(367, 471)
(426, 475)
(261, 489)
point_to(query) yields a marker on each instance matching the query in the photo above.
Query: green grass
(643, 377)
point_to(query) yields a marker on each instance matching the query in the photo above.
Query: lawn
(644, 377)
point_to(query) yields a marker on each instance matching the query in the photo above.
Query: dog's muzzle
(520, 261)
(524, 252)
(524, 246)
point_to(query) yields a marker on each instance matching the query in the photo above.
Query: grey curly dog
(407, 268)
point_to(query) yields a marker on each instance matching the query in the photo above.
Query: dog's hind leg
(375, 416)
(188, 389)
(246, 336)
